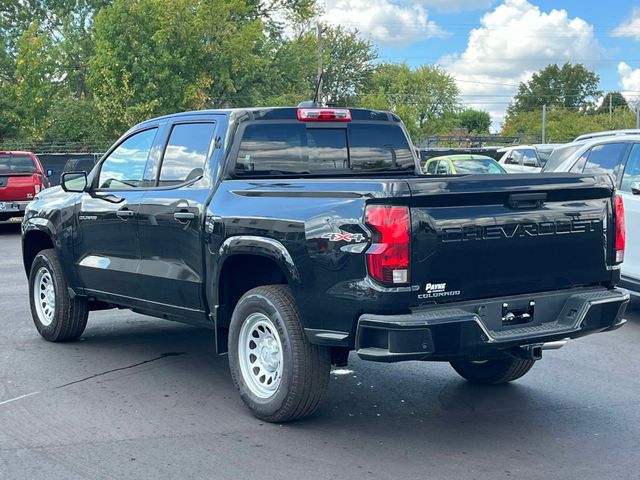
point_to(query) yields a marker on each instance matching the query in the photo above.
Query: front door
(172, 220)
(107, 251)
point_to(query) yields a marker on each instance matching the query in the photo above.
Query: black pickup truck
(300, 234)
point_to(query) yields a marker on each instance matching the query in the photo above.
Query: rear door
(108, 253)
(172, 213)
(630, 189)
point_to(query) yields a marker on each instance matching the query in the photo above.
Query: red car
(21, 179)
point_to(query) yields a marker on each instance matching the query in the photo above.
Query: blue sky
(490, 46)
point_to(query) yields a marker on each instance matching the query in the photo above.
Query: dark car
(298, 235)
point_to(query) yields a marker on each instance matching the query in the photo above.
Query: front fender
(57, 226)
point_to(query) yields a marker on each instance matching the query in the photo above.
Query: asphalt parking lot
(138, 397)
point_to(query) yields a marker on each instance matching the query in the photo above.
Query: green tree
(426, 98)
(570, 86)
(8, 117)
(473, 120)
(35, 81)
(159, 56)
(73, 120)
(612, 100)
(564, 125)
(291, 74)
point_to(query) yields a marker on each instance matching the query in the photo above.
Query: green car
(461, 164)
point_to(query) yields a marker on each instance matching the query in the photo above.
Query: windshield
(559, 155)
(477, 166)
(16, 164)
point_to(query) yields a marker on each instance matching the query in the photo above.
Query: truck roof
(277, 113)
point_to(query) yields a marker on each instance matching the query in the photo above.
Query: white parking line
(18, 398)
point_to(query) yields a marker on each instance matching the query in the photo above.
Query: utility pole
(638, 115)
(610, 104)
(319, 62)
(544, 124)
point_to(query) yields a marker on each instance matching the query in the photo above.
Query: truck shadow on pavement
(9, 228)
(415, 400)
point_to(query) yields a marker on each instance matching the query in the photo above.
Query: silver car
(618, 156)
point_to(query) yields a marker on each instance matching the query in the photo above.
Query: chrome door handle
(183, 216)
(125, 213)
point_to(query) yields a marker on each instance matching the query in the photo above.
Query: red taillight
(621, 233)
(388, 256)
(37, 184)
(324, 115)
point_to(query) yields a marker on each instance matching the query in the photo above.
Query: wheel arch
(246, 262)
(34, 240)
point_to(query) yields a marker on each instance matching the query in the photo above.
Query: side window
(515, 158)
(529, 158)
(124, 167)
(632, 170)
(605, 158)
(443, 167)
(431, 168)
(578, 167)
(186, 153)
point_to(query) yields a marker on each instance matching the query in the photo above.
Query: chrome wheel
(45, 296)
(260, 355)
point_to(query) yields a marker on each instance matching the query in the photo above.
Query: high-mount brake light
(620, 229)
(324, 115)
(388, 256)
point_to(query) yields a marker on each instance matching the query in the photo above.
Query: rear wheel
(492, 372)
(57, 316)
(279, 374)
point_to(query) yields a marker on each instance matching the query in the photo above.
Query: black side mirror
(635, 188)
(74, 182)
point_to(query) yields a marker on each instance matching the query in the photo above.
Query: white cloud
(457, 5)
(630, 82)
(630, 27)
(385, 22)
(515, 40)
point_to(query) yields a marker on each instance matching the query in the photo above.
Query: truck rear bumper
(11, 208)
(489, 327)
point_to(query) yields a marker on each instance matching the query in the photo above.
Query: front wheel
(279, 374)
(492, 372)
(57, 315)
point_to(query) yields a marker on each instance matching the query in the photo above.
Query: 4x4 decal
(344, 236)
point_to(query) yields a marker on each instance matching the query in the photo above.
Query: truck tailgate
(488, 235)
(16, 186)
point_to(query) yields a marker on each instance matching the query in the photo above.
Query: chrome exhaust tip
(554, 345)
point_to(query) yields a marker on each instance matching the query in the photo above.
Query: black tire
(305, 367)
(69, 317)
(493, 372)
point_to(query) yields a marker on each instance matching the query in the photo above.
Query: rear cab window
(16, 163)
(322, 148)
